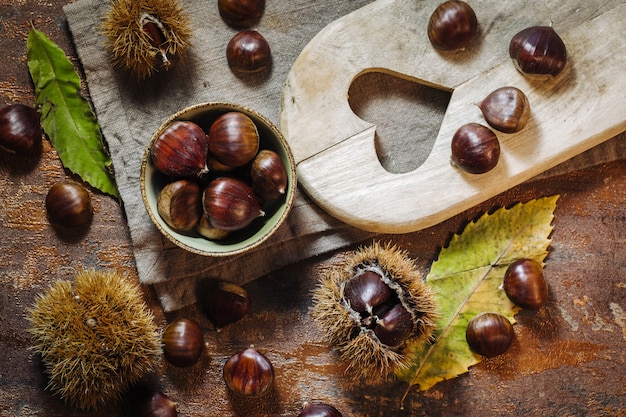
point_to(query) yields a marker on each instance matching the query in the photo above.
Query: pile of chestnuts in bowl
(218, 179)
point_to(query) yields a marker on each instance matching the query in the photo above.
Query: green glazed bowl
(260, 229)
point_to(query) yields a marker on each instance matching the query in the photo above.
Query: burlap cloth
(129, 112)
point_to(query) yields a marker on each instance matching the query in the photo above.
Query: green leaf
(467, 278)
(66, 116)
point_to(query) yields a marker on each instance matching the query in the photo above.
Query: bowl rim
(170, 234)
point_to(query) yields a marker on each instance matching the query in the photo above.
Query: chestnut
(268, 175)
(230, 204)
(319, 410)
(379, 308)
(68, 205)
(394, 326)
(241, 13)
(538, 51)
(183, 342)
(153, 403)
(489, 334)
(249, 373)
(205, 229)
(452, 25)
(20, 129)
(248, 51)
(506, 109)
(475, 148)
(225, 303)
(525, 285)
(180, 150)
(233, 139)
(179, 204)
(366, 291)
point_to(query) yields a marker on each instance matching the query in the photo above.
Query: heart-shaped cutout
(407, 116)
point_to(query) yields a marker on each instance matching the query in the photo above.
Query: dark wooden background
(567, 360)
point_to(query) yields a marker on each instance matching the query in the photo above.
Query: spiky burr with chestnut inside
(370, 306)
(145, 36)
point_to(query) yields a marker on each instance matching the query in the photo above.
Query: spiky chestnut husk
(145, 36)
(96, 337)
(366, 357)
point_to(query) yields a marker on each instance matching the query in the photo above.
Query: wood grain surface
(567, 360)
(334, 148)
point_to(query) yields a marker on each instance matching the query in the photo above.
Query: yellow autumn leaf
(467, 278)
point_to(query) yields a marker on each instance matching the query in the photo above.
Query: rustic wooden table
(568, 360)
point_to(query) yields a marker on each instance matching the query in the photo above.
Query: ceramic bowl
(237, 242)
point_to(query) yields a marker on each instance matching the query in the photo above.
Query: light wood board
(334, 149)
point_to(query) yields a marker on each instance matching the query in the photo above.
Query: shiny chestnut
(249, 373)
(179, 204)
(225, 303)
(394, 326)
(230, 204)
(506, 109)
(268, 175)
(452, 25)
(489, 334)
(319, 410)
(525, 284)
(538, 51)
(233, 139)
(366, 291)
(378, 308)
(183, 342)
(20, 129)
(475, 148)
(248, 51)
(152, 403)
(241, 13)
(68, 204)
(181, 150)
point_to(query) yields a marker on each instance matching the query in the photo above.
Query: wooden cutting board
(337, 161)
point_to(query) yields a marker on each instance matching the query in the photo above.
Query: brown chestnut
(183, 342)
(205, 229)
(379, 308)
(181, 150)
(20, 129)
(241, 13)
(230, 204)
(249, 373)
(366, 291)
(319, 410)
(489, 334)
(452, 25)
(179, 204)
(225, 303)
(537, 51)
(525, 284)
(394, 326)
(475, 148)
(268, 175)
(248, 51)
(150, 403)
(68, 204)
(506, 109)
(233, 139)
